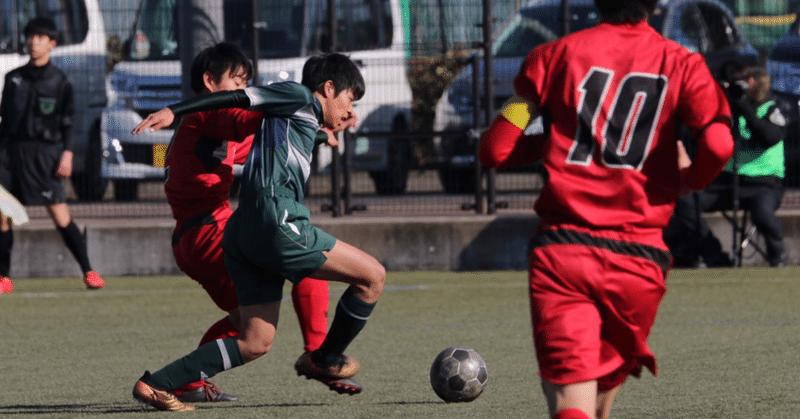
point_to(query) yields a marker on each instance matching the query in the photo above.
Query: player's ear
(329, 89)
(209, 81)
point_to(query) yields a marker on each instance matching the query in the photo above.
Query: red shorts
(593, 303)
(197, 246)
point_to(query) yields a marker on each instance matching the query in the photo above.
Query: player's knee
(254, 349)
(377, 279)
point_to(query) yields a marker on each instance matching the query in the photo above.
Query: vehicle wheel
(89, 184)
(458, 171)
(457, 180)
(126, 189)
(394, 180)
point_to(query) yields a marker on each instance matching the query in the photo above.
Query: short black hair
(335, 67)
(625, 11)
(41, 26)
(218, 60)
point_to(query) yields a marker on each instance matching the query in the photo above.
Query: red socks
(311, 299)
(571, 414)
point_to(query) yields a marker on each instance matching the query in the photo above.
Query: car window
(521, 37)
(537, 25)
(69, 15)
(721, 28)
(155, 36)
(686, 28)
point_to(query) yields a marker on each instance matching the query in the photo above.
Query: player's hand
(351, 121)
(684, 161)
(332, 140)
(156, 121)
(64, 169)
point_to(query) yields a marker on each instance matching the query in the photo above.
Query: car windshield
(537, 25)
(156, 31)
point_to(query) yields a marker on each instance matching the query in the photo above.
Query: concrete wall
(400, 243)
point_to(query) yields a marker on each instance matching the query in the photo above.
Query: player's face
(340, 111)
(39, 46)
(234, 79)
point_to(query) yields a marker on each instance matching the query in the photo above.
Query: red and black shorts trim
(660, 257)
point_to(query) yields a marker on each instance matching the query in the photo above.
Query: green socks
(351, 316)
(205, 362)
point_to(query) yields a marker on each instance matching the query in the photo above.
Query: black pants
(689, 237)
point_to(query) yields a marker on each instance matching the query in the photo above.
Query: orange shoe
(346, 367)
(160, 399)
(5, 285)
(93, 281)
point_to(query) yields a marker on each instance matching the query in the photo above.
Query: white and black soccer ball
(458, 374)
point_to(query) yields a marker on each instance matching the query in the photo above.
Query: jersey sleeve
(703, 101)
(212, 101)
(529, 81)
(279, 99)
(505, 145)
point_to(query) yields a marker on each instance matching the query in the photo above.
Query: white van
(80, 54)
(372, 33)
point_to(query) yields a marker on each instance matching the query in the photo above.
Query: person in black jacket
(36, 120)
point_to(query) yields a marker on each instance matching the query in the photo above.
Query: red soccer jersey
(201, 156)
(615, 95)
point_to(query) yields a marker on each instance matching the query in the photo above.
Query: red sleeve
(242, 149)
(529, 82)
(232, 124)
(715, 148)
(703, 100)
(504, 145)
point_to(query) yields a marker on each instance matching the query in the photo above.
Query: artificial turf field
(728, 344)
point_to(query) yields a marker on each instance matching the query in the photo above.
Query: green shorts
(268, 241)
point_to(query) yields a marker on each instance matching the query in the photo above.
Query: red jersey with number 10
(615, 95)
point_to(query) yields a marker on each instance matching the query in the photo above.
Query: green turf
(727, 342)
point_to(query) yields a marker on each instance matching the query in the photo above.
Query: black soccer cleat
(208, 393)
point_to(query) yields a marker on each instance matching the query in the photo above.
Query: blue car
(783, 65)
(704, 26)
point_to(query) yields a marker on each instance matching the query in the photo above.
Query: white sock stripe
(350, 313)
(226, 359)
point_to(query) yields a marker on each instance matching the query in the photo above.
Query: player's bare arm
(156, 121)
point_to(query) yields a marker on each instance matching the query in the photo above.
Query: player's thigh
(254, 283)
(349, 264)
(34, 168)
(198, 253)
(259, 324)
(566, 320)
(633, 290)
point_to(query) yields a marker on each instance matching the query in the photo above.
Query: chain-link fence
(425, 65)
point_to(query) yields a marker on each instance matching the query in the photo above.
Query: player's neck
(40, 61)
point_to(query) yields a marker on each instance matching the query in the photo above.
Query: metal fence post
(348, 172)
(476, 124)
(488, 70)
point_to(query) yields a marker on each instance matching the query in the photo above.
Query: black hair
(335, 67)
(625, 11)
(41, 26)
(218, 60)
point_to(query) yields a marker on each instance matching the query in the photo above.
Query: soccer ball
(458, 374)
